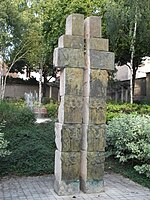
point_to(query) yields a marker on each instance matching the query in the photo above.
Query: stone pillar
(97, 61)
(148, 87)
(83, 58)
(69, 57)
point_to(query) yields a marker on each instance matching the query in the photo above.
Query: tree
(128, 28)
(54, 14)
(20, 37)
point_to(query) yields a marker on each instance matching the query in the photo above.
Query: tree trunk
(132, 48)
(44, 85)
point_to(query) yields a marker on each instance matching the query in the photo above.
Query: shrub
(128, 138)
(114, 110)
(14, 114)
(52, 109)
(32, 148)
(3, 143)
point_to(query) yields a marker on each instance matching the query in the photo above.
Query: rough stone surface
(95, 165)
(96, 138)
(92, 186)
(71, 41)
(92, 171)
(83, 58)
(71, 82)
(86, 82)
(70, 109)
(98, 44)
(75, 25)
(66, 172)
(92, 27)
(64, 188)
(98, 83)
(68, 137)
(67, 57)
(100, 59)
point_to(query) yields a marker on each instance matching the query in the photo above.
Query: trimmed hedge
(114, 110)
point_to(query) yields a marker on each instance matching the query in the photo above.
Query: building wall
(17, 91)
(121, 91)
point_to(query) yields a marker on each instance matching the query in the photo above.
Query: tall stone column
(83, 58)
(148, 87)
(97, 61)
(69, 57)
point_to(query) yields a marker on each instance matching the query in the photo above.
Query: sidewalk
(41, 188)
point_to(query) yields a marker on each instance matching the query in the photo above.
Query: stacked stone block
(97, 61)
(83, 59)
(69, 57)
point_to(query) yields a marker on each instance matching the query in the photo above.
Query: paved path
(41, 188)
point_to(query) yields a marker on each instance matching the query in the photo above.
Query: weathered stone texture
(75, 25)
(83, 58)
(92, 172)
(70, 165)
(71, 82)
(70, 41)
(95, 165)
(96, 138)
(100, 59)
(92, 186)
(98, 44)
(67, 57)
(68, 137)
(86, 82)
(66, 172)
(94, 111)
(70, 109)
(93, 138)
(98, 83)
(92, 27)
(64, 188)
(97, 113)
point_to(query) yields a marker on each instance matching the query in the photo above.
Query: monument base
(92, 186)
(63, 188)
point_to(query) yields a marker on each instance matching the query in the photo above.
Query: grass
(126, 169)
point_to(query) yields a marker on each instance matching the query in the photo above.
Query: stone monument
(83, 59)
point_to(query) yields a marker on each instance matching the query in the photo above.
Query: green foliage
(114, 110)
(32, 148)
(32, 145)
(52, 109)
(126, 169)
(120, 19)
(14, 115)
(128, 138)
(3, 143)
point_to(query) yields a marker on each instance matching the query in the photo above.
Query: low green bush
(52, 109)
(3, 143)
(14, 114)
(128, 138)
(114, 110)
(32, 148)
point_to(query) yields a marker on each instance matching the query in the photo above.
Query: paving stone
(116, 188)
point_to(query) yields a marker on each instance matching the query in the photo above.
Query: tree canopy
(29, 30)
